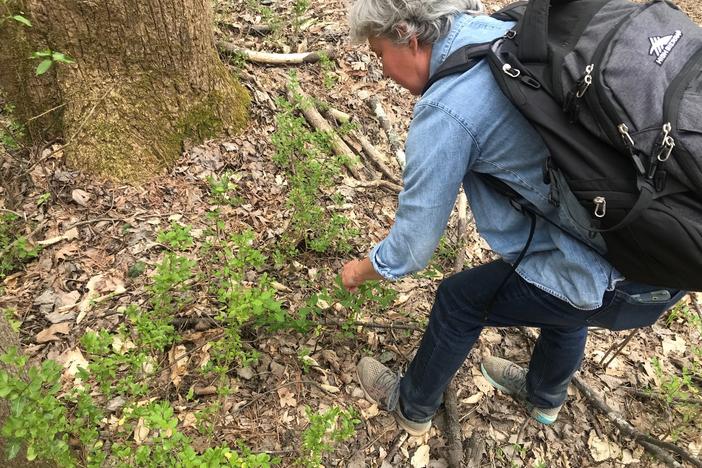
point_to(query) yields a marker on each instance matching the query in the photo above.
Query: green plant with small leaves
(115, 372)
(372, 297)
(327, 67)
(223, 188)
(37, 419)
(170, 290)
(312, 169)
(324, 431)
(16, 17)
(10, 315)
(677, 392)
(153, 331)
(48, 58)
(14, 250)
(177, 237)
(303, 355)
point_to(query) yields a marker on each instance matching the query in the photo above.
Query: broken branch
(320, 123)
(453, 427)
(393, 138)
(273, 58)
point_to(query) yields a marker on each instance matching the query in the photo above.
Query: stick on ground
(453, 427)
(273, 58)
(320, 123)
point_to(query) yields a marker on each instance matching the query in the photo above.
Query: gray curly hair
(399, 20)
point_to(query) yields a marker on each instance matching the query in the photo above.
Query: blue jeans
(459, 315)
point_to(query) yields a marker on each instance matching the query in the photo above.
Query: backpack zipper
(603, 107)
(598, 101)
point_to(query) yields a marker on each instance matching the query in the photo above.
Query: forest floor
(241, 242)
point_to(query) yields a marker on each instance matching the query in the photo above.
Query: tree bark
(146, 78)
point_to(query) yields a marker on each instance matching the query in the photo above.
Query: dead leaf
(420, 459)
(676, 346)
(473, 399)
(483, 385)
(602, 450)
(141, 431)
(58, 317)
(80, 196)
(68, 235)
(287, 398)
(370, 412)
(121, 346)
(329, 388)
(72, 360)
(49, 334)
(178, 359)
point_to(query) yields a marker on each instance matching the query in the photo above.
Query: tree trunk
(146, 78)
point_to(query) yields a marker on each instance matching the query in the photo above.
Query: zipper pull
(510, 71)
(663, 149)
(584, 83)
(667, 144)
(631, 147)
(600, 206)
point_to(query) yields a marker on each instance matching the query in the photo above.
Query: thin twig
(619, 349)
(379, 183)
(659, 397)
(454, 436)
(391, 326)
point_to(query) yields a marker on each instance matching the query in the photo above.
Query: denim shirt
(462, 125)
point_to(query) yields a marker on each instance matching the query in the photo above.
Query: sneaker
(381, 386)
(510, 378)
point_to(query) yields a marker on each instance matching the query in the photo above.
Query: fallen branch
(320, 123)
(659, 397)
(390, 326)
(340, 116)
(475, 450)
(375, 156)
(395, 143)
(619, 349)
(273, 58)
(379, 183)
(453, 427)
(653, 445)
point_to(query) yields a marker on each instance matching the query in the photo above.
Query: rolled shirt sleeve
(438, 148)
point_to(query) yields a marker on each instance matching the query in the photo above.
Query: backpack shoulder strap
(512, 12)
(460, 61)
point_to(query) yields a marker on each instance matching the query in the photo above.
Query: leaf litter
(100, 251)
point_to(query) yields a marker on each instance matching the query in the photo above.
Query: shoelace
(515, 375)
(385, 385)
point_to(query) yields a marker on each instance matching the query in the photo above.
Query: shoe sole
(533, 410)
(398, 418)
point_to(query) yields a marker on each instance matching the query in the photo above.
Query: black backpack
(614, 88)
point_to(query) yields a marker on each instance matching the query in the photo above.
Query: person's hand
(351, 276)
(356, 272)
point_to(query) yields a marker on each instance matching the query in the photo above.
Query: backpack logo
(661, 46)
